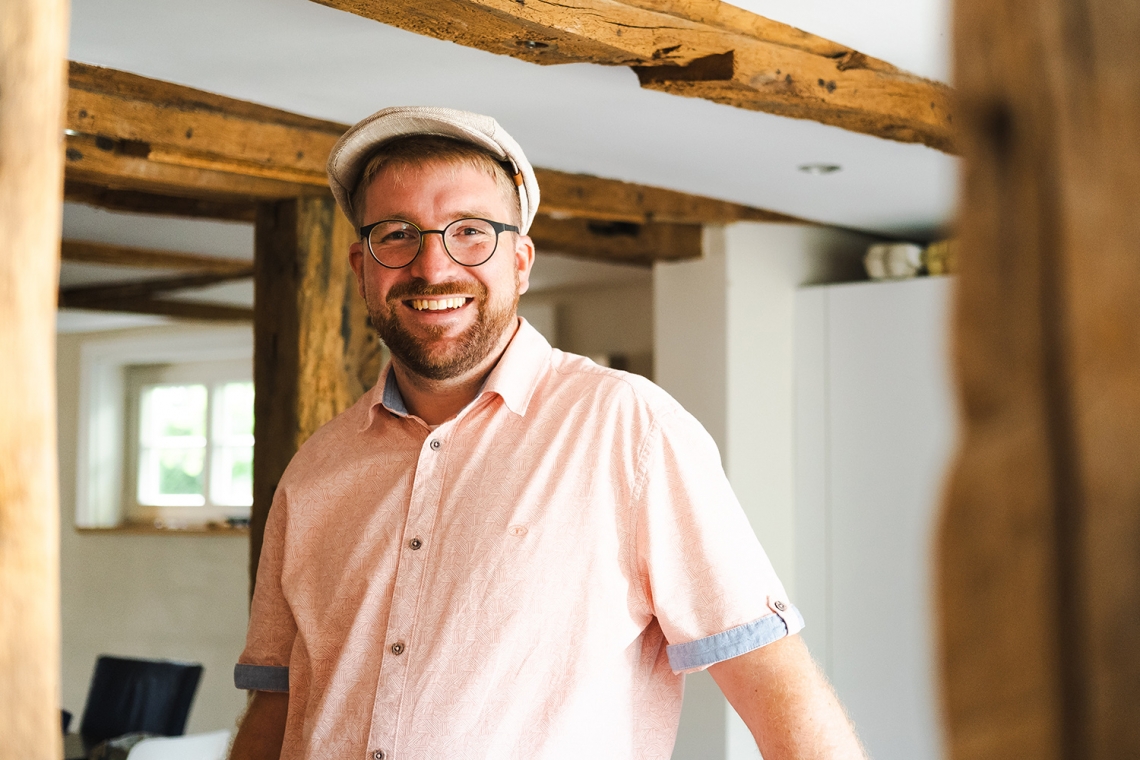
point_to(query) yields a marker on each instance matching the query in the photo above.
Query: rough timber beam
(314, 350)
(619, 241)
(1039, 547)
(107, 296)
(84, 252)
(101, 162)
(696, 48)
(33, 43)
(582, 196)
(209, 312)
(139, 202)
(138, 144)
(157, 122)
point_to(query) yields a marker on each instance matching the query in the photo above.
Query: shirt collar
(514, 378)
(377, 397)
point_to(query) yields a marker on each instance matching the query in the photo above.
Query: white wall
(178, 597)
(601, 319)
(723, 346)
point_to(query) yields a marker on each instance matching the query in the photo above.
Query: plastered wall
(601, 320)
(178, 597)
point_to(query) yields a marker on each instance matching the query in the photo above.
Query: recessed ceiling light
(819, 169)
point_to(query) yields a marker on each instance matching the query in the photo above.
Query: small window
(190, 442)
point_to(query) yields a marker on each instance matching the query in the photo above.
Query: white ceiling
(212, 238)
(303, 57)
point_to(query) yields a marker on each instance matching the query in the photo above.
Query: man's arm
(262, 728)
(788, 705)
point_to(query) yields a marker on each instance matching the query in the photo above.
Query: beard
(433, 357)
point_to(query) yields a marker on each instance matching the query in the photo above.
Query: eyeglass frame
(498, 227)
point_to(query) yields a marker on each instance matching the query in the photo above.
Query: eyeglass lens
(469, 241)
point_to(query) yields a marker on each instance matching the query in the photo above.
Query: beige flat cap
(352, 150)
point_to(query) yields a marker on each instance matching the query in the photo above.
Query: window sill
(189, 529)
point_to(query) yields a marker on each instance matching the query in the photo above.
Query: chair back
(211, 746)
(130, 695)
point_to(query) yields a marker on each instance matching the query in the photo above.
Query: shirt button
(415, 543)
(378, 755)
(435, 444)
(780, 606)
(398, 648)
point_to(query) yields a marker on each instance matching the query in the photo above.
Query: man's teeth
(423, 304)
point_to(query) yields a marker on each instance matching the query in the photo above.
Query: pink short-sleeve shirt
(531, 579)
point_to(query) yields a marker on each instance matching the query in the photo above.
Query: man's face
(414, 309)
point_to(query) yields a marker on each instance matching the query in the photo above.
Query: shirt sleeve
(708, 580)
(264, 664)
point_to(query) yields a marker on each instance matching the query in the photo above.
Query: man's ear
(356, 261)
(524, 260)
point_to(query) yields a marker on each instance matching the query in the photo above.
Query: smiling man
(502, 550)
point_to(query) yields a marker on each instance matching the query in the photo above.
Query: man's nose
(433, 264)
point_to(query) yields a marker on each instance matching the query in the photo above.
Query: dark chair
(128, 695)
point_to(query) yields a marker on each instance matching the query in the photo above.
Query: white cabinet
(874, 426)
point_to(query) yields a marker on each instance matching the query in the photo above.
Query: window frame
(102, 445)
(213, 374)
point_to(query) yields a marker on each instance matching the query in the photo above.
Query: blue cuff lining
(699, 654)
(261, 677)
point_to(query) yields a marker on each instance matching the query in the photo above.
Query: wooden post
(32, 78)
(310, 338)
(1040, 542)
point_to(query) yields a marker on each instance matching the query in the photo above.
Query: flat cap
(352, 150)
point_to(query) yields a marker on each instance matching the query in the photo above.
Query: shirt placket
(415, 544)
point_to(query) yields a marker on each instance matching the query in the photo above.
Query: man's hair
(415, 150)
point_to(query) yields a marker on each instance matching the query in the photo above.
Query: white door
(874, 433)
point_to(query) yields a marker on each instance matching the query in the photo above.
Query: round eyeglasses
(395, 243)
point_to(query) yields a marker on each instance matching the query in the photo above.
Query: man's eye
(470, 231)
(396, 236)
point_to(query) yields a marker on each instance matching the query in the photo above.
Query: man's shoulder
(583, 377)
(333, 441)
(618, 410)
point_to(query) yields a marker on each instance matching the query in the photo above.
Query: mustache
(420, 288)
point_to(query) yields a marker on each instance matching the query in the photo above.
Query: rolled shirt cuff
(700, 653)
(261, 677)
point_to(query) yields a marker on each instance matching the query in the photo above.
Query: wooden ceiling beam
(138, 202)
(172, 124)
(127, 133)
(695, 48)
(85, 252)
(177, 309)
(587, 197)
(617, 241)
(144, 297)
(137, 144)
(102, 162)
(90, 296)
